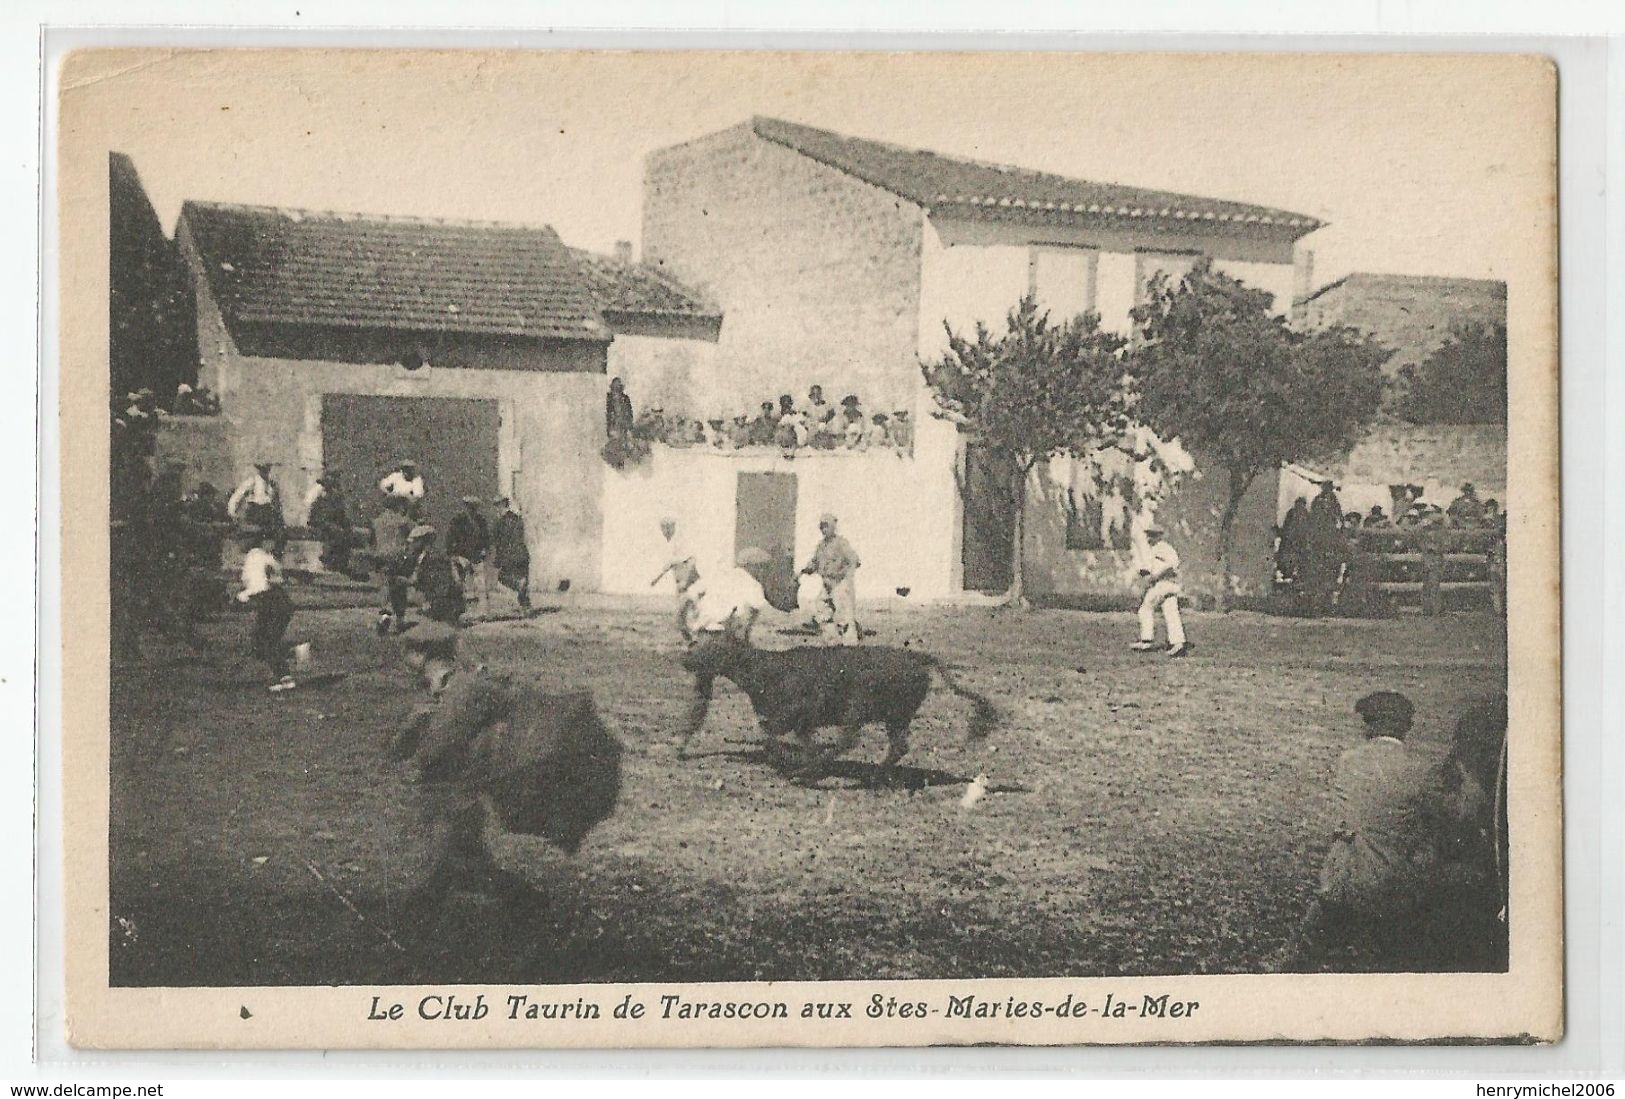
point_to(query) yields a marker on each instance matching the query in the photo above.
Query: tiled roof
(619, 286)
(970, 188)
(271, 265)
(1378, 282)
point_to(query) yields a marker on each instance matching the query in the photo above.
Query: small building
(1412, 314)
(347, 342)
(837, 261)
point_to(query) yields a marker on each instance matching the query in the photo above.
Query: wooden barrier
(1418, 568)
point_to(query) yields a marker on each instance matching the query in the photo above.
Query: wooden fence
(1421, 569)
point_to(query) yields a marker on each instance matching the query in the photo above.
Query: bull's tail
(985, 716)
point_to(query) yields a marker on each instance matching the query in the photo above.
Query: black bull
(799, 691)
(513, 755)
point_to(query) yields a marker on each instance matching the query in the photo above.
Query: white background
(1592, 75)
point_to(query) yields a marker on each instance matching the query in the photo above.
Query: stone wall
(549, 442)
(816, 273)
(1413, 315)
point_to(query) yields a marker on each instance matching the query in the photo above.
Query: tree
(1037, 391)
(1464, 381)
(1217, 369)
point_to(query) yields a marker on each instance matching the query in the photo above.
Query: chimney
(623, 251)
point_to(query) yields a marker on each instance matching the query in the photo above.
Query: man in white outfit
(404, 481)
(1160, 573)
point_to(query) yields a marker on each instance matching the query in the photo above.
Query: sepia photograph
(716, 523)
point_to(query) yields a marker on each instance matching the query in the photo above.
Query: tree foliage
(1035, 391)
(1464, 381)
(1215, 367)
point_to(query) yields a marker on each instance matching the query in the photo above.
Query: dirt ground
(1145, 815)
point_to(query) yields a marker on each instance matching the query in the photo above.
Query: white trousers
(1164, 593)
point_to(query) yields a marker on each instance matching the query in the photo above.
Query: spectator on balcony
(650, 425)
(852, 423)
(739, 432)
(819, 411)
(765, 426)
(902, 431)
(618, 418)
(792, 433)
(876, 436)
(1377, 519)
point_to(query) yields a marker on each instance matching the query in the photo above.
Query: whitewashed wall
(895, 509)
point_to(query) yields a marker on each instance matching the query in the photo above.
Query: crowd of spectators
(1324, 557)
(816, 424)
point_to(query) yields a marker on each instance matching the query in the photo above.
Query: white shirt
(399, 484)
(253, 490)
(722, 594)
(1162, 559)
(260, 571)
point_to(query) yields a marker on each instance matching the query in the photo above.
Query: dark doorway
(765, 517)
(454, 442)
(988, 494)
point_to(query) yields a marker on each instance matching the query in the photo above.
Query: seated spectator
(854, 430)
(877, 436)
(1466, 510)
(764, 426)
(1377, 857)
(787, 405)
(826, 436)
(819, 411)
(1377, 518)
(739, 432)
(792, 433)
(650, 425)
(712, 433)
(1493, 516)
(902, 432)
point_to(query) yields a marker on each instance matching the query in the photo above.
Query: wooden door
(765, 518)
(989, 526)
(454, 442)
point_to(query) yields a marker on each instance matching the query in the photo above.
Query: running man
(1159, 572)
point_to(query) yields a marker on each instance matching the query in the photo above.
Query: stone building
(347, 342)
(837, 261)
(1414, 315)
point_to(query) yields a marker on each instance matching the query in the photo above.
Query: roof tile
(350, 270)
(993, 190)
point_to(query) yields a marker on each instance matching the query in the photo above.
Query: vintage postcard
(613, 549)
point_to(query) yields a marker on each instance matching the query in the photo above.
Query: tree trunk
(1239, 484)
